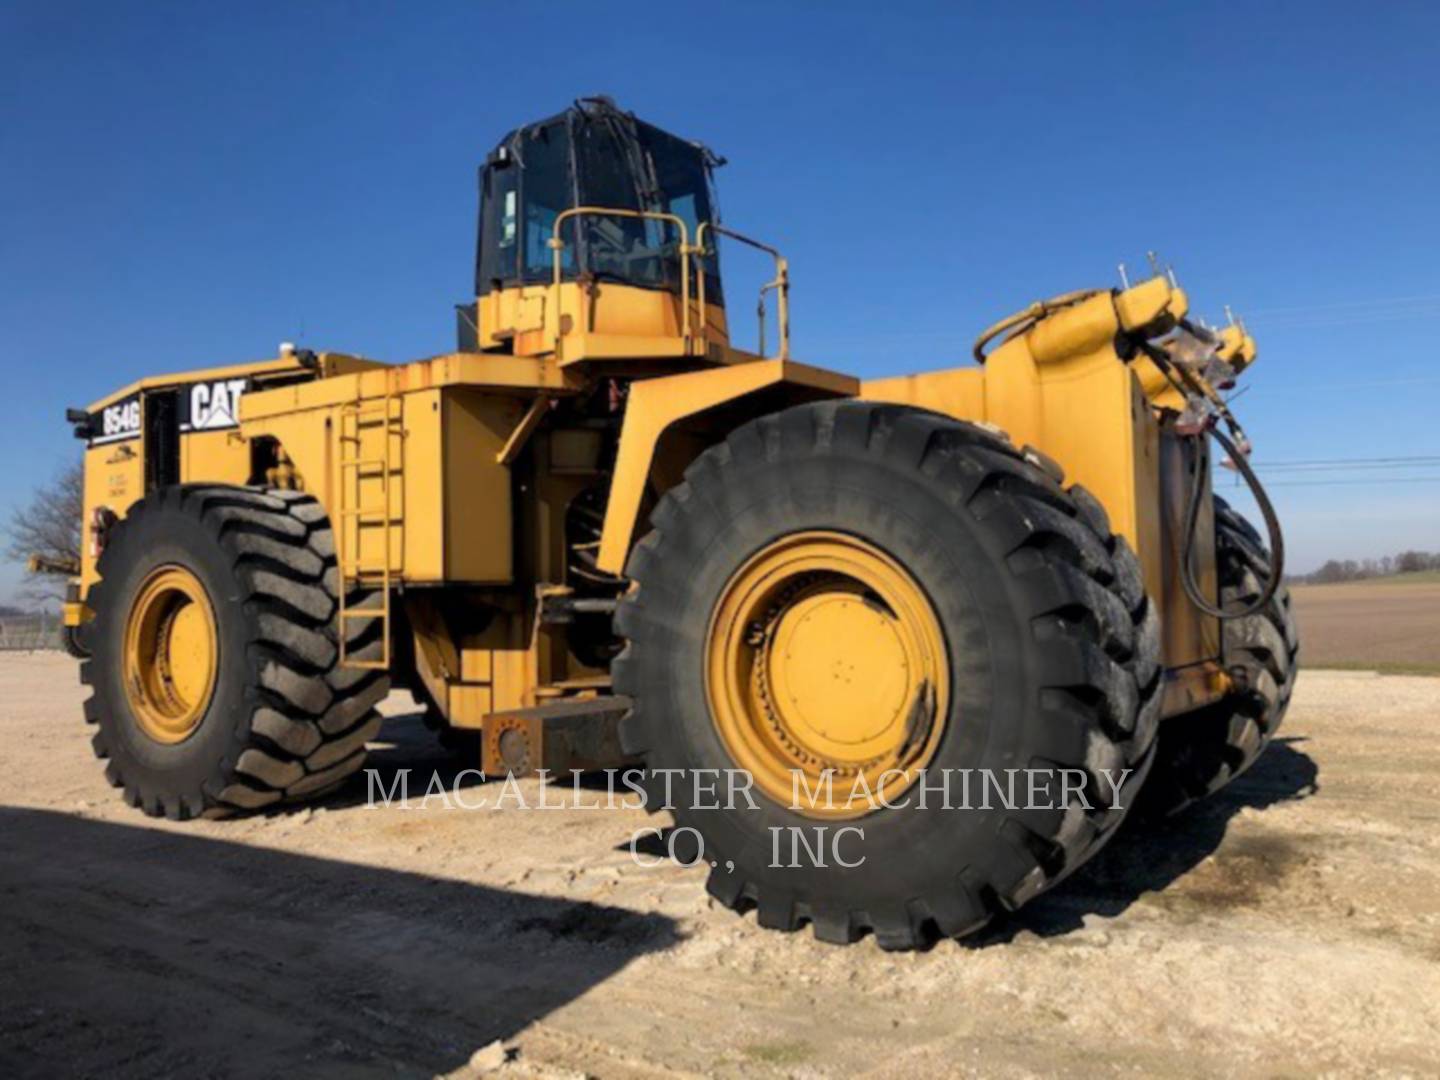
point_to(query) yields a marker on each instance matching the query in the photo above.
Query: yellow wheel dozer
(895, 654)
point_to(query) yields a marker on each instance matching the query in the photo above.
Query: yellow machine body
(454, 484)
(452, 475)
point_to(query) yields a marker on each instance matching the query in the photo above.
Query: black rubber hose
(1192, 517)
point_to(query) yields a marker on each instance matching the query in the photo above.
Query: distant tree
(1409, 562)
(48, 526)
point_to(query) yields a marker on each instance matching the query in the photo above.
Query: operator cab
(597, 241)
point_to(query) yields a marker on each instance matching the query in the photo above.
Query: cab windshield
(593, 157)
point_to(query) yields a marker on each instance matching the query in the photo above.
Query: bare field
(1290, 926)
(1383, 624)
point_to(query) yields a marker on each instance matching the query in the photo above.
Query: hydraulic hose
(1192, 517)
(1035, 311)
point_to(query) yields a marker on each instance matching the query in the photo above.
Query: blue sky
(189, 184)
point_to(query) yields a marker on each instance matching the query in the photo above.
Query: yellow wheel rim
(824, 655)
(171, 654)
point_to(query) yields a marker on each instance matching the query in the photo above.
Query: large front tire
(1048, 644)
(216, 676)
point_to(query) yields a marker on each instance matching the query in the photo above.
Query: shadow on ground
(132, 951)
(1149, 855)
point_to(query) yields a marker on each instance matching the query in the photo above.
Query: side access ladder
(372, 438)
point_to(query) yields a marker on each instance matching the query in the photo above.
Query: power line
(1348, 312)
(1409, 459)
(1283, 473)
(1351, 319)
(1374, 302)
(1373, 466)
(1370, 480)
(1290, 387)
(1298, 473)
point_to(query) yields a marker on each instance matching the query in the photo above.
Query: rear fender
(667, 408)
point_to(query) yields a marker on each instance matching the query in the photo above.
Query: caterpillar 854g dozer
(600, 533)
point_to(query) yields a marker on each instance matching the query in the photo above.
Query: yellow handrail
(558, 246)
(781, 284)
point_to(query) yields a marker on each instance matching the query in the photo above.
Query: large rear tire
(73, 643)
(1198, 753)
(215, 668)
(832, 534)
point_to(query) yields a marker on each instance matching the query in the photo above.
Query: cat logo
(215, 405)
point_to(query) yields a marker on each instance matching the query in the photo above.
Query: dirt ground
(1364, 623)
(1290, 926)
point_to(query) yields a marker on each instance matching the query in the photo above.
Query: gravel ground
(1291, 925)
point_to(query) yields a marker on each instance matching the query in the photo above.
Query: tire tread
(308, 719)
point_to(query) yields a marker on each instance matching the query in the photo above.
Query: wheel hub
(824, 655)
(171, 654)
